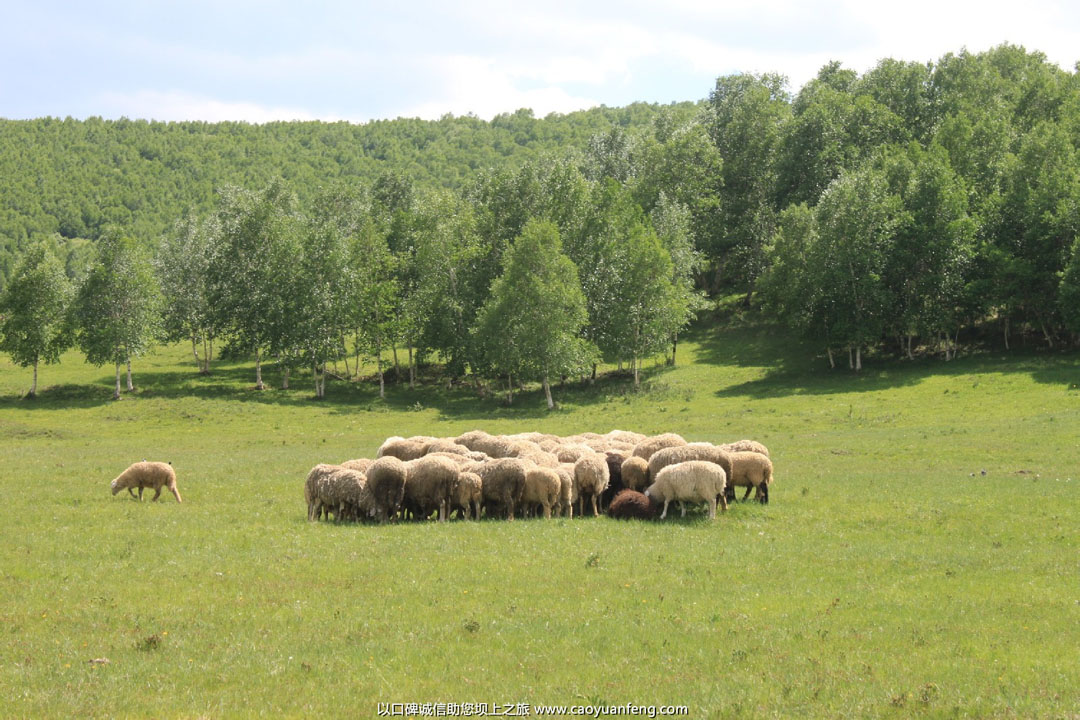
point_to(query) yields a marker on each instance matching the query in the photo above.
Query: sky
(260, 61)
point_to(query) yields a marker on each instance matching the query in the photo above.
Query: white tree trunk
(412, 369)
(636, 362)
(285, 378)
(547, 394)
(33, 387)
(130, 385)
(509, 389)
(858, 358)
(116, 393)
(258, 371)
(832, 362)
(195, 352)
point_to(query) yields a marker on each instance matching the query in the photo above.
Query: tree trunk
(378, 365)
(195, 352)
(33, 387)
(746, 300)
(116, 393)
(909, 354)
(858, 358)
(1006, 333)
(547, 394)
(412, 369)
(592, 378)
(345, 354)
(850, 361)
(130, 385)
(258, 371)
(285, 378)
(509, 389)
(397, 366)
(636, 362)
(674, 347)
(832, 363)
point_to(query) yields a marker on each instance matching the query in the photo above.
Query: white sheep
(591, 476)
(692, 481)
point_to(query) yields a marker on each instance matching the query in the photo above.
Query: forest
(913, 209)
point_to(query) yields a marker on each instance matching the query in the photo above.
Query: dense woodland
(912, 209)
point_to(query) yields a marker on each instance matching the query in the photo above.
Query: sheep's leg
(131, 491)
(176, 493)
(140, 493)
(442, 511)
(664, 514)
(595, 512)
(712, 508)
(729, 493)
(157, 494)
(547, 511)
(747, 493)
(723, 502)
(682, 509)
(763, 490)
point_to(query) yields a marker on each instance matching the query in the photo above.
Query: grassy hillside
(888, 577)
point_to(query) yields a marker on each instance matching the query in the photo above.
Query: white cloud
(177, 106)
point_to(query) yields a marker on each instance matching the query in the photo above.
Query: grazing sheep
(635, 473)
(542, 487)
(573, 453)
(467, 494)
(343, 493)
(502, 482)
(445, 446)
(567, 496)
(693, 451)
(386, 483)
(752, 470)
(630, 504)
(401, 448)
(147, 475)
(614, 459)
(693, 481)
(625, 437)
(591, 477)
(359, 465)
(650, 445)
(429, 482)
(746, 446)
(319, 475)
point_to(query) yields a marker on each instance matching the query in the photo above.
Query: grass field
(888, 576)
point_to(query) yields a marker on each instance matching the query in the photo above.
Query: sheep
(694, 480)
(746, 446)
(625, 437)
(466, 494)
(693, 451)
(542, 486)
(318, 476)
(591, 477)
(650, 445)
(567, 496)
(445, 446)
(386, 483)
(495, 446)
(344, 494)
(147, 475)
(635, 473)
(573, 453)
(401, 448)
(753, 471)
(502, 482)
(428, 483)
(630, 504)
(359, 465)
(614, 459)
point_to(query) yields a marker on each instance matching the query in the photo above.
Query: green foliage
(117, 310)
(531, 324)
(33, 311)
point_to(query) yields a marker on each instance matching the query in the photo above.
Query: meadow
(920, 555)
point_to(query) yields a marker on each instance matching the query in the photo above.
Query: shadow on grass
(236, 382)
(796, 366)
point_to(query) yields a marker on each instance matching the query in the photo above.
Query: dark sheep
(632, 505)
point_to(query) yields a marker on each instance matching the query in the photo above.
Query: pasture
(888, 576)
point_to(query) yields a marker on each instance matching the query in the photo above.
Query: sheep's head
(115, 485)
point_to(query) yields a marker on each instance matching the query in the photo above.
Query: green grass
(887, 578)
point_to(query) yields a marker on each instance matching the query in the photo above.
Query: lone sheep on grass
(147, 475)
(753, 471)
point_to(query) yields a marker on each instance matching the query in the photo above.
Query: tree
(33, 310)
(117, 308)
(183, 269)
(531, 324)
(253, 258)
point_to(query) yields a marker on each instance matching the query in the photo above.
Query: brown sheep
(147, 475)
(630, 504)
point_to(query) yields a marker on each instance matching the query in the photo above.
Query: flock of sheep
(479, 474)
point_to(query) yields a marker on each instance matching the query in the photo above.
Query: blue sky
(359, 61)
